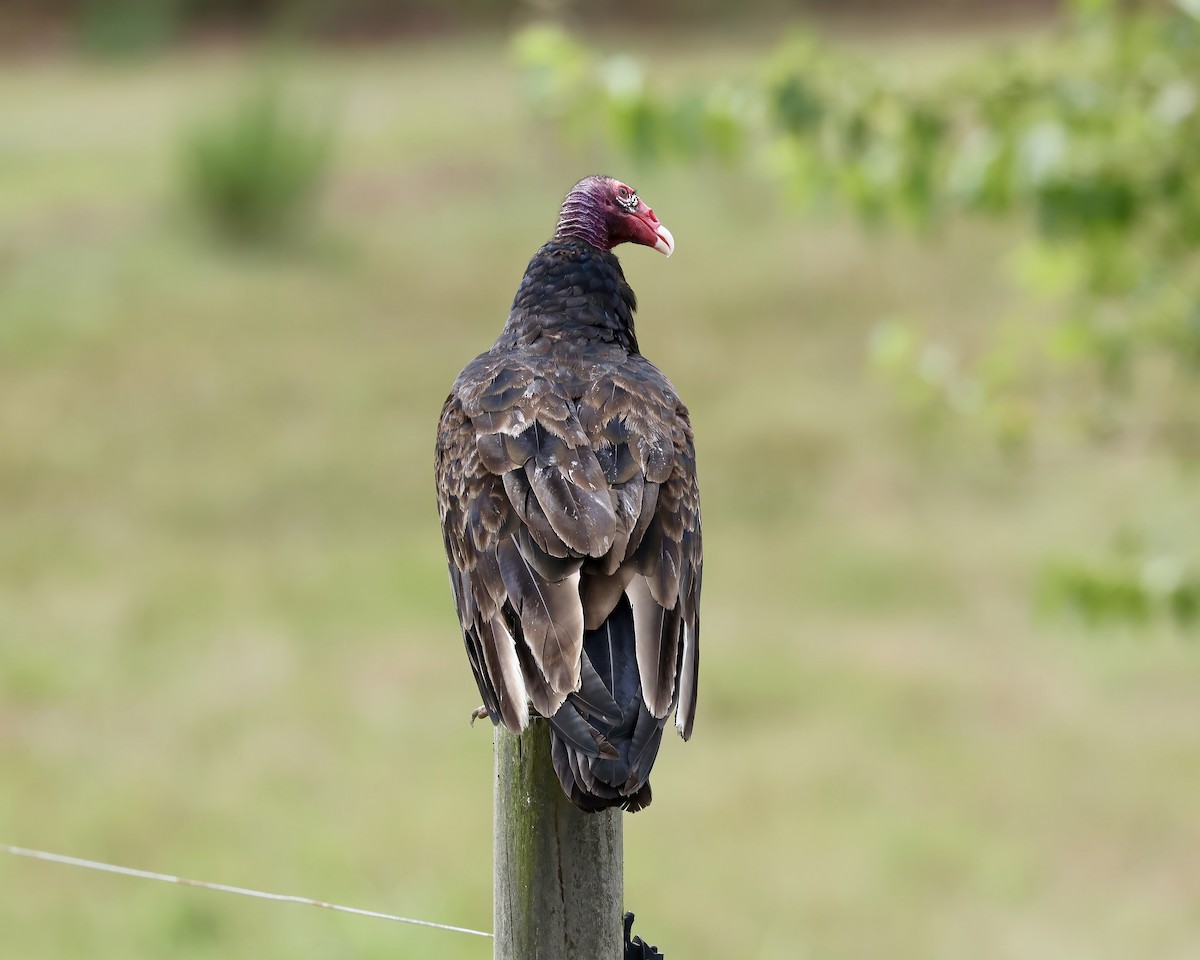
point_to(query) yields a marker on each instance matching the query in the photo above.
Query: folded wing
(571, 520)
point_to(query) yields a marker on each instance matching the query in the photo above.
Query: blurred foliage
(1090, 135)
(227, 644)
(255, 172)
(1125, 589)
(127, 27)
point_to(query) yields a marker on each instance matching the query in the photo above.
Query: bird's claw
(479, 713)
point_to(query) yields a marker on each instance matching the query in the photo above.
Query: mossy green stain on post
(558, 870)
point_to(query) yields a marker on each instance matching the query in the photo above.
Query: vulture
(566, 484)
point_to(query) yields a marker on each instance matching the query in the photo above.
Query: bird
(566, 485)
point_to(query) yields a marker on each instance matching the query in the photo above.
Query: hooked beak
(652, 233)
(666, 243)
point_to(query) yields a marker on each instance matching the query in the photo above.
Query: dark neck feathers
(572, 291)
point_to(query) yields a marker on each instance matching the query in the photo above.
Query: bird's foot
(479, 713)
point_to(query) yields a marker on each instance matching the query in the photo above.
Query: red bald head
(605, 212)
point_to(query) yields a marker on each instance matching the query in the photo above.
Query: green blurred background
(227, 645)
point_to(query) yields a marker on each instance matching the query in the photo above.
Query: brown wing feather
(643, 437)
(463, 488)
(557, 497)
(691, 572)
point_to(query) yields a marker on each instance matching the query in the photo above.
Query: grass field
(227, 645)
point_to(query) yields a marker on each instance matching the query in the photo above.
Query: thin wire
(224, 888)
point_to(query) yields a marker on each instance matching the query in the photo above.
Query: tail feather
(612, 766)
(593, 697)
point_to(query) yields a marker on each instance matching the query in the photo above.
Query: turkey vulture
(566, 483)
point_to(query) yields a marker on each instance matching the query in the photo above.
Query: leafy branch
(1088, 136)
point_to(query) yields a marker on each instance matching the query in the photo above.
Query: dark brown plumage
(566, 482)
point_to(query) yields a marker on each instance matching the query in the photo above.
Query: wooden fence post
(558, 871)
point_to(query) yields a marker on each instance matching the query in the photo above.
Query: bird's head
(605, 212)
